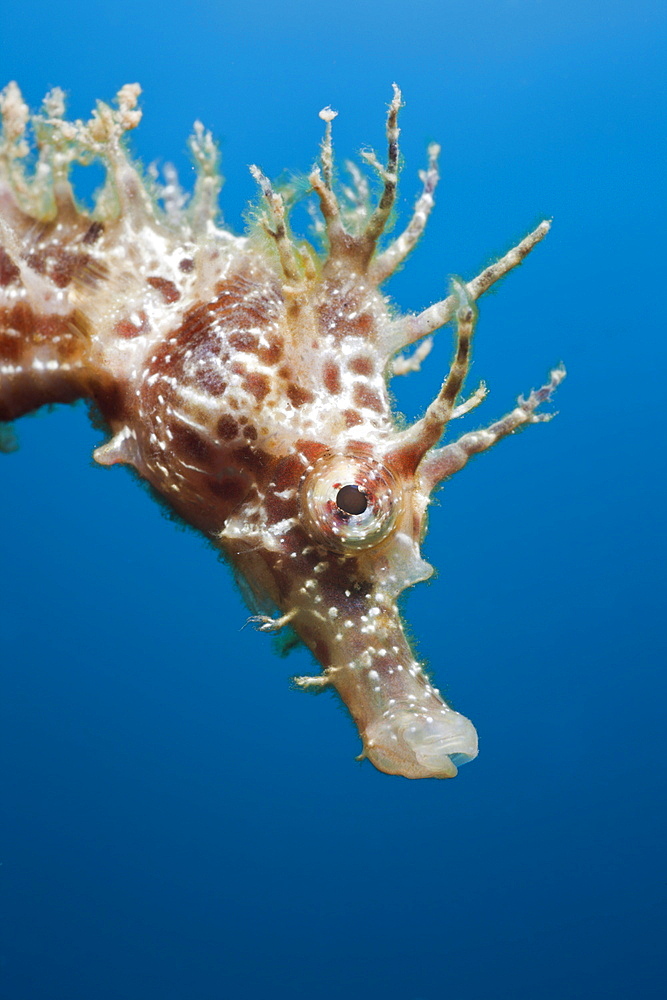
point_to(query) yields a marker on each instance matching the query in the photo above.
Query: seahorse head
(246, 380)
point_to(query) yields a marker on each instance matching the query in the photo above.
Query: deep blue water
(176, 821)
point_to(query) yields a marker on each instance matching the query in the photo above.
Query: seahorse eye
(350, 502)
(351, 499)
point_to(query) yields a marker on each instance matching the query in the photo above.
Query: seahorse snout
(409, 742)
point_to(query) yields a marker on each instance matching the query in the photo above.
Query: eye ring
(350, 502)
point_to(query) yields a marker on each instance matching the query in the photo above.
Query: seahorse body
(245, 378)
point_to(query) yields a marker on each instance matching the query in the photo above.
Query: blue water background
(177, 822)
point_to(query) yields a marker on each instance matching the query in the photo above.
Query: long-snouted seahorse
(245, 378)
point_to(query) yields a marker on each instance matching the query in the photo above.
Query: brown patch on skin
(361, 365)
(93, 233)
(359, 448)
(362, 325)
(70, 342)
(27, 395)
(60, 265)
(298, 396)
(363, 395)
(273, 352)
(53, 337)
(321, 651)
(244, 340)
(352, 418)
(248, 310)
(404, 461)
(279, 509)
(258, 385)
(227, 428)
(250, 433)
(126, 329)
(232, 489)
(288, 473)
(310, 449)
(339, 316)
(35, 329)
(108, 397)
(166, 288)
(186, 265)
(190, 445)
(11, 348)
(251, 459)
(331, 378)
(196, 327)
(8, 270)
(21, 318)
(210, 381)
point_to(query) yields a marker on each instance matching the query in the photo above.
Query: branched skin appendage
(246, 379)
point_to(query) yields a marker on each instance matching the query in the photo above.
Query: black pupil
(351, 499)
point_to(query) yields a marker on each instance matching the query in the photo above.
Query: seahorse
(245, 379)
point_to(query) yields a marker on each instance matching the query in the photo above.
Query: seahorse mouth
(416, 745)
